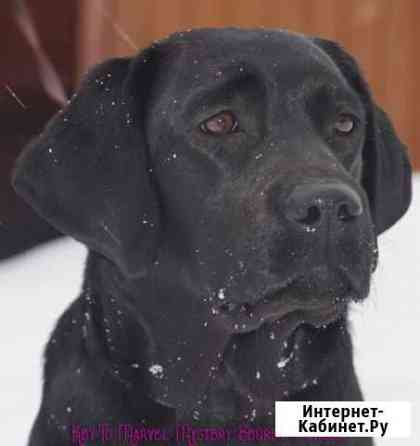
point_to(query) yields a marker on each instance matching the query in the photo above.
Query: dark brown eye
(345, 124)
(220, 124)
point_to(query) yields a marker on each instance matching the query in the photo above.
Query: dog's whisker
(110, 233)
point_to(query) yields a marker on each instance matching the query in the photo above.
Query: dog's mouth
(298, 301)
(246, 318)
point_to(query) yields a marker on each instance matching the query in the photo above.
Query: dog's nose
(311, 205)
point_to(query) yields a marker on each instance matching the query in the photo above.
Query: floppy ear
(88, 174)
(386, 166)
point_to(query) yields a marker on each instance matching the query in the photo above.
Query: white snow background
(36, 287)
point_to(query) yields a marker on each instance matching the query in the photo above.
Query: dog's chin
(317, 298)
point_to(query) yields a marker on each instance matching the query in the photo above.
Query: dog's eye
(221, 124)
(345, 124)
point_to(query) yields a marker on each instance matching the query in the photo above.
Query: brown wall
(25, 107)
(382, 34)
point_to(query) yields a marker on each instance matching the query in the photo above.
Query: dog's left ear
(386, 165)
(88, 173)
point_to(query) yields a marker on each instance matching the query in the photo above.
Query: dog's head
(254, 163)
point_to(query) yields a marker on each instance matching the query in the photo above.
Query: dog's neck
(189, 364)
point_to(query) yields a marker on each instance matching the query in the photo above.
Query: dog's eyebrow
(221, 82)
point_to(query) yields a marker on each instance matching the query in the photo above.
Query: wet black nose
(312, 205)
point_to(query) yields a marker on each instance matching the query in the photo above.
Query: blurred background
(45, 48)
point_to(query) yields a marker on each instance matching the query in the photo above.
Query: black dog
(230, 185)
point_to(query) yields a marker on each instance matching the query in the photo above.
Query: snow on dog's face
(252, 167)
(268, 154)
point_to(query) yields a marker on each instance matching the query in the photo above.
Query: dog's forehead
(207, 57)
(259, 44)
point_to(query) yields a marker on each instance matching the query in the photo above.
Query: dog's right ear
(386, 164)
(88, 173)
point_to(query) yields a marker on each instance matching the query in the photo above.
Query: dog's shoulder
(65, 352)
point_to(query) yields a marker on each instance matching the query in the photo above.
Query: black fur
(220, 268)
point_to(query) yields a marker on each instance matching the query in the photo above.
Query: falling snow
(14, 96)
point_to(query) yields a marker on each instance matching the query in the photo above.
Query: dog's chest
(256, 370)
